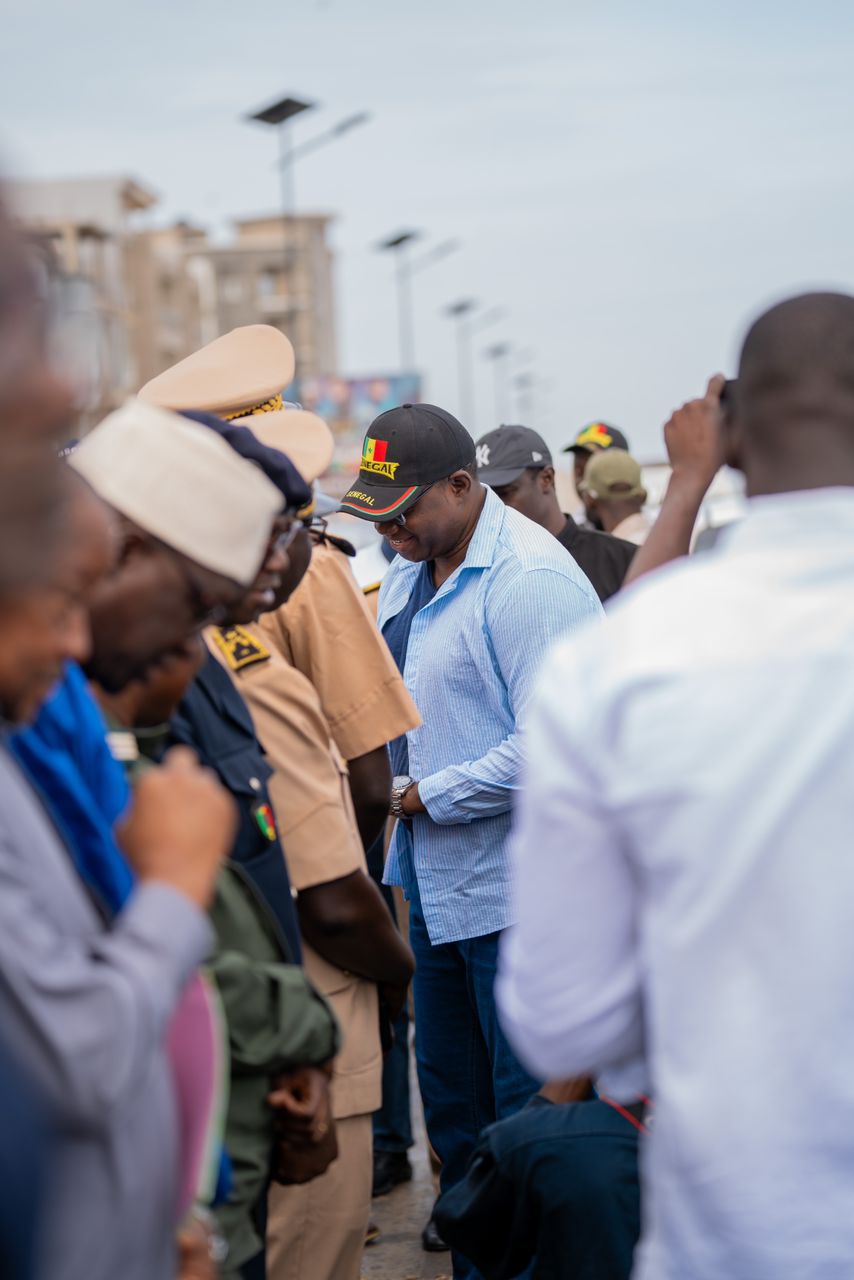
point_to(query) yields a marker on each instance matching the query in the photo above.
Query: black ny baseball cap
(503, 454)
(596, 436)
(406, 449)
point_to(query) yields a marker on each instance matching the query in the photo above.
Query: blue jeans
(468, 1074)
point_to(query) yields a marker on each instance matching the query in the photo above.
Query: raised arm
(693, 439)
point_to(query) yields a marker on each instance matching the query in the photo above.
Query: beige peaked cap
(303, 436)
(180, 482)
(232, 374)
(237, 377)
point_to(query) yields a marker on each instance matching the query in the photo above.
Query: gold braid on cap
(269, 406)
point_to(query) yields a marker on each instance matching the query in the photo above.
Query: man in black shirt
(516, 462)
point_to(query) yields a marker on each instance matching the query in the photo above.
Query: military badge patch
(239, 647)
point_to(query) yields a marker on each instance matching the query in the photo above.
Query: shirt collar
(482, 548)
(480, 555)
(801, 514)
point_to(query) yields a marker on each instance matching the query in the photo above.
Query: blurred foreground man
(684, 880)
(87, 1002)
(472, 602)
(97, 948)
(35, 413)
(517, 464)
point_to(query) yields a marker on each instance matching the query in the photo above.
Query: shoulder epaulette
(239, 647)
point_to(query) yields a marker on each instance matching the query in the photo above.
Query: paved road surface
(401, 1216)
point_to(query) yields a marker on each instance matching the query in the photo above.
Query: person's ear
(132, 544)
(461, 483)
(546, 479)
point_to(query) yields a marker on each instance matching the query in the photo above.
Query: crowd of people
(255, 820)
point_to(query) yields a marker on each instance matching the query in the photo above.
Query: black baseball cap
(406, 449)
(597, 436)
(503, 454)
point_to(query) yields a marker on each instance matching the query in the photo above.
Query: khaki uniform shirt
(311, 796)
(329, 633)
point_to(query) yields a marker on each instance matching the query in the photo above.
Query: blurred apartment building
(128, 299)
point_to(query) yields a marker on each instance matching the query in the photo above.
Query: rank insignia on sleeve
(239, 647)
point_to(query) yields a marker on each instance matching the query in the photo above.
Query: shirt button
(294, 892)
(255, 784)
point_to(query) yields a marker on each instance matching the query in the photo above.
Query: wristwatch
(399, 787)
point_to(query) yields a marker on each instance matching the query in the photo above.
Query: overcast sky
(630, 182)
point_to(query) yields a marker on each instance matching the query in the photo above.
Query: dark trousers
(393, 1121)
(468, 1074)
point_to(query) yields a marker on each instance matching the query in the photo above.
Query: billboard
(349, 405)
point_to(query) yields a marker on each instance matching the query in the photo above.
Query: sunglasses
(401, 520)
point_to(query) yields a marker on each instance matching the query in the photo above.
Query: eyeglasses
(298, 523)
(401, 520)
(285, 539)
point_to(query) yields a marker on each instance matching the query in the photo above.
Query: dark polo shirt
(604, 559)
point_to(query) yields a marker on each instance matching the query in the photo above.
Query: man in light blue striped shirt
(469, 608)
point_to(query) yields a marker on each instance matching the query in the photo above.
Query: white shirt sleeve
(568, 987)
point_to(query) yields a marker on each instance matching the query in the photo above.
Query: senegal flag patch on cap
(375, 458)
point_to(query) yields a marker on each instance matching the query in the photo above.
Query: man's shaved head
(793, 426)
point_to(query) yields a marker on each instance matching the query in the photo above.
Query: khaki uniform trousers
(317, 1231)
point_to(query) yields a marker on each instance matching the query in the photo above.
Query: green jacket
(276, 1020)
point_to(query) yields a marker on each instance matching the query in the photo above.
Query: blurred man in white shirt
(685, 879)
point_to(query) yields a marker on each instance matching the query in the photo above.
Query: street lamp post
(461, 312)
(525, 394)
(498, 353)
(280, 114)
(329, 135)
(399, 244)
(405, 269)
